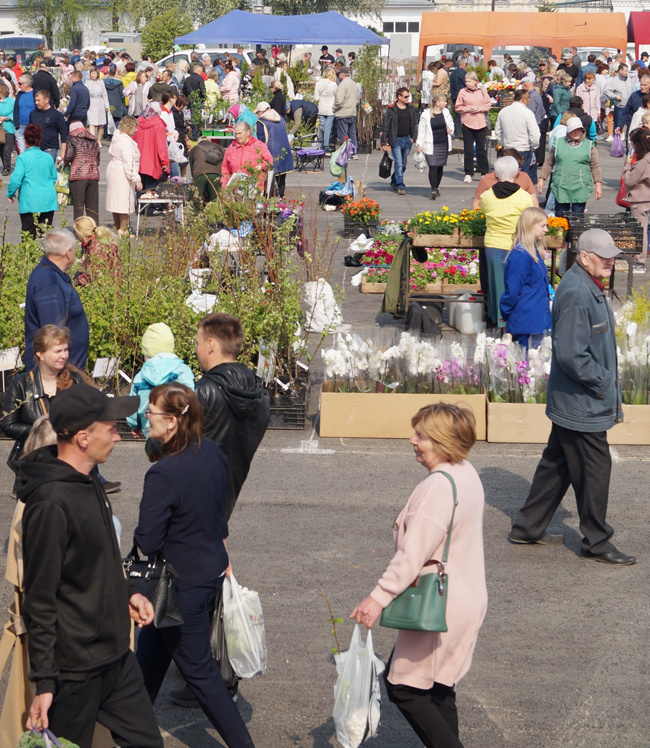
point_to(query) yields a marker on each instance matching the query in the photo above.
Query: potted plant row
(360, 217)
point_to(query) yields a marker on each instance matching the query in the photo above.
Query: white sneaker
(467, 179)
(609, 139)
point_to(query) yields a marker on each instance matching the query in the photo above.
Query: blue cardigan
(525, 302)
(35, 176)
(51, 299)
(183, 513)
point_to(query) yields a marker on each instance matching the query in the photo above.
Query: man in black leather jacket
(235, 408)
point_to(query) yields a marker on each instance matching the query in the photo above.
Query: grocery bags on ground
(43, 739)
(244, 625)
(356, 692)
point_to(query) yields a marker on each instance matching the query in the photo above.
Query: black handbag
(220, 649)
(156, 580)
(385, 166)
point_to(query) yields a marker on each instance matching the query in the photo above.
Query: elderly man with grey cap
(77, 600)
(583, 403)
(577, 170)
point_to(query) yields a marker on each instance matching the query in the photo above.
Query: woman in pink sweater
(637, 180)
(472, 103)
(247, 155)
(425, 666)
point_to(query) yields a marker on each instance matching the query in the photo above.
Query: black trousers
(583, 461)
(480, 138)
(189, 646)
(84, 194)
(432, 714)
(116, 698)
(28, 221)
(435, 176)
(7, 149)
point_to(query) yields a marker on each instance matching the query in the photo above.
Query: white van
(185, 54)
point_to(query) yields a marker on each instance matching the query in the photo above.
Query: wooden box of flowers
(376, 381)
(517, 380)
(360, 217)
(444, 229)
(556, 233)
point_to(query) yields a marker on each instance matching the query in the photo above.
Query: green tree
(159, 33)
(204, 11)
(58, 21)
(348, 7)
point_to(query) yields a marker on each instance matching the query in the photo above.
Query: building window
(414, 27)
(400, 27)
(389, 27)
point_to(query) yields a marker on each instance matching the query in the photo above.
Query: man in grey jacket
(583, 402)
(345, 108)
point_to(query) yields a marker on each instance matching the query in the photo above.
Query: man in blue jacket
(79, 102)
(51, 298)
(583, 402)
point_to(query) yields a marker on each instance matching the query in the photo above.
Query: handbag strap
(451, 524)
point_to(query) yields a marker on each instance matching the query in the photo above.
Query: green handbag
(423, 605)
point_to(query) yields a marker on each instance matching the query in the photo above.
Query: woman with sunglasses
(183, 517)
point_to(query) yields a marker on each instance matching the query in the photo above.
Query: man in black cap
(326, 58)
(583, 401)
(77, 600)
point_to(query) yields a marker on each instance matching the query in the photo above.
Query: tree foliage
(348, 7)
(58, 21)
(159, 33)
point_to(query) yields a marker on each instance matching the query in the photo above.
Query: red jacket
(251, 158)
(151, 139)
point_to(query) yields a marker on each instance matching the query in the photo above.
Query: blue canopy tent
(258, 28)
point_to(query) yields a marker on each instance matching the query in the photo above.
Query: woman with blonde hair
(99, 104)
(99, 247)
(446, 507)
(212, 88)
(434, 139)
(123, 174)
(135, 94)
(324, 94)
(525, 303)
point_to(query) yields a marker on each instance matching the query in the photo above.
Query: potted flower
(435, 229)
(360, 216)
(557, 228)
(472, 228)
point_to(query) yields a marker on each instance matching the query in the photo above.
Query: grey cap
(599, 242)
(344, 70)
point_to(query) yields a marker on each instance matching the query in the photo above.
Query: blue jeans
(562, 208)
(54, 152)
(401, 151)
(619, 116)
(530, 166)
(174, 169)
(346, 127)
(325, 122)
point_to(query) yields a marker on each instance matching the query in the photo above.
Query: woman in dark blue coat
(183, 515)
(272, 130)
(525, 304)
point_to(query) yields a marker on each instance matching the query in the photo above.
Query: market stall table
(172, 202)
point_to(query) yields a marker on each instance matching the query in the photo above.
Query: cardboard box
(386, 415)
(520, 423)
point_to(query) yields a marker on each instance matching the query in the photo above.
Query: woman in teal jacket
(7, 121)
(34, 178)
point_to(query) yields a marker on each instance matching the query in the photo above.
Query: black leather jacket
(25, 402)
(236, 414)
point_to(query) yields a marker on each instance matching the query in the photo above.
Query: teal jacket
(160, 369)
(34, 176)
(7, 110)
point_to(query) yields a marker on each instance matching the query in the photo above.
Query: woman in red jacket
(245, 154)
(151, 139)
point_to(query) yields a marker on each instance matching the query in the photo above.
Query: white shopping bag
(356, 692)
(243, 623)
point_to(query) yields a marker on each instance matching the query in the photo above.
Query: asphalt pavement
(562, 656)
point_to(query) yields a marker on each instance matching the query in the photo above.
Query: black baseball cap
(324, 47)
(77, 407)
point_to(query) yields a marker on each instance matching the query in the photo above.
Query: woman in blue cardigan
(34, 178)
(525, 304)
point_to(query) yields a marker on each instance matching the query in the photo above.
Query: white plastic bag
(322, 312)
(201, 303)
(244, 626)
(420, 161)
(110, 124)
(176, 153)
(356, 692)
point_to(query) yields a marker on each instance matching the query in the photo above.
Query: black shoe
(5, 172)
(437, 193)
(393, 187)
(545, 539)
(112, 487)
(434, 194)
(614, 556)
(184, 697)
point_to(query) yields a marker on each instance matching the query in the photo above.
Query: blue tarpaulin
(258, 28)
